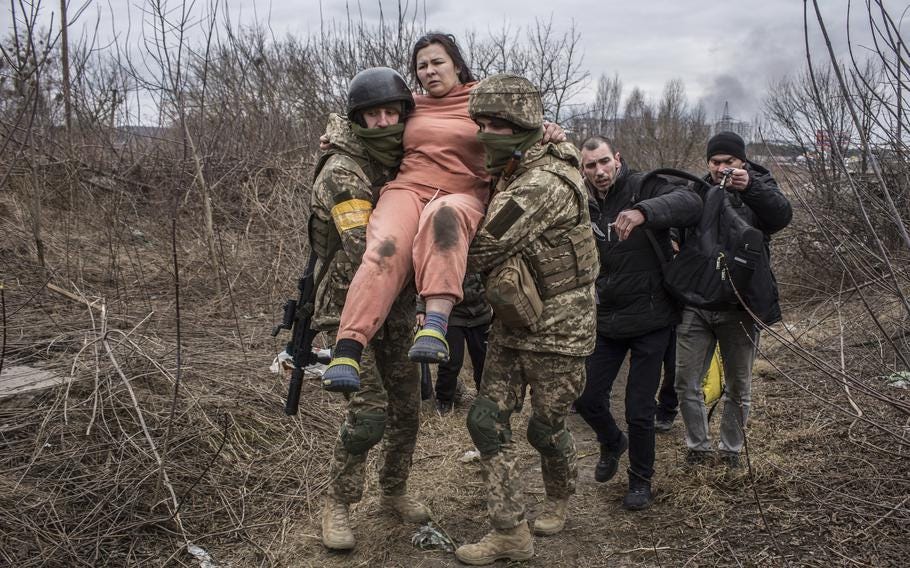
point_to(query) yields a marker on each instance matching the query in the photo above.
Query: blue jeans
(697, 335)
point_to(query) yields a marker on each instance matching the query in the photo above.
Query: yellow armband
(351, 214)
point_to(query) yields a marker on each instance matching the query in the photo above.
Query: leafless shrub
(185, 175)
(667, 133)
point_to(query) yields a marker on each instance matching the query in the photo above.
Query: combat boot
(407, 508)
(510, 544)
(553, 517)
(336, 525)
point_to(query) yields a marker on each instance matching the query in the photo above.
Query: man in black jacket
(756, 197)
(634, 313)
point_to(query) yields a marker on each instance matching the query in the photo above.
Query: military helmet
(507, 97)
(376, 86)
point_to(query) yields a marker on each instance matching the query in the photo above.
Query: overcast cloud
(723, 51)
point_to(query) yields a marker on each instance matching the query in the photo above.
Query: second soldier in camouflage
(538, 223)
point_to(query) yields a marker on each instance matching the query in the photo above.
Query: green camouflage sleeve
(345, 197)
(517, 216)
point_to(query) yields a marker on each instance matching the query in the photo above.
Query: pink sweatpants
(410, 229)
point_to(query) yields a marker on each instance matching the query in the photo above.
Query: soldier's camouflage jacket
(343, 196)
(543, 199)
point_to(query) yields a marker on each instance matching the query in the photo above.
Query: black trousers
(602, 366)
(457, 337)
(667, 400)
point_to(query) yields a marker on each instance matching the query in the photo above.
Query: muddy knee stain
(445, 228)
(387, 248)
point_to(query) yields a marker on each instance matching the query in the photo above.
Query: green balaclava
(500, 147)
(382, 144)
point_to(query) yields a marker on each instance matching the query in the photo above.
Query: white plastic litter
(899, 380)
(283, 362)
(469, 456)
(429, 537)
(204, 558)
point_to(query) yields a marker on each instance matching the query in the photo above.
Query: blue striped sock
(437, 322)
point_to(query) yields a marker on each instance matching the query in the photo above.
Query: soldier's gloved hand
(553, 132)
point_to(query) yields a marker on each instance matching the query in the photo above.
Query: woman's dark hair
(447, 41)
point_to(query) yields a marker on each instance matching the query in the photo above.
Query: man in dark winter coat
(634, 313)
(756, 197)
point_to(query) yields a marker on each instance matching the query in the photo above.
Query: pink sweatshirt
(441, 150)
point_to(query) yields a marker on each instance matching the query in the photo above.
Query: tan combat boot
(336, 525)
(511, 544)
(552, 518)
(407, 508)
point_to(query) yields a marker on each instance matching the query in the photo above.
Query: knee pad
(549, 440)
(362, 431)
(482, 425)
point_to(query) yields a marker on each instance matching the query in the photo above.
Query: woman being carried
(425, 218)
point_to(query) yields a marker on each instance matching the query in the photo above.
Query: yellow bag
(712, 385)
(513, 294)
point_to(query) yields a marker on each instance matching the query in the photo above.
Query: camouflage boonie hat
(508, 97)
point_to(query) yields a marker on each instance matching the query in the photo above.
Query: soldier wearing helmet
(537, 251)
(366, 149)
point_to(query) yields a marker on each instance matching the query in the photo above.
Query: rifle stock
(426, 382)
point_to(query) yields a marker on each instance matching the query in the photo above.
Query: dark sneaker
(698, 457)
(444, 407)
(730, 459)
(639, 495)
(663, 426)
(430, 346)
(342, 375)
(609, 460)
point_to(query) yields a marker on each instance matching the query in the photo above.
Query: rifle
(298, 316)
(426, 382)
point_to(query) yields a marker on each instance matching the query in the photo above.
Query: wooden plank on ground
(20, 379)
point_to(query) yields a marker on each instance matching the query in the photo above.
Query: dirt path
(700, 517)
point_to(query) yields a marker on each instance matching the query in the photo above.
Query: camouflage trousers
(390, 384)
(556, 381)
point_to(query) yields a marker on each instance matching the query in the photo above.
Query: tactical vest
(564, 260)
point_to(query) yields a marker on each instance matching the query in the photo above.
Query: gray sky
(722, 51)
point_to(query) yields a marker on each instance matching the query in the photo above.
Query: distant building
(728, 124)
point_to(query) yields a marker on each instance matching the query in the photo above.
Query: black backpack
(723, 255)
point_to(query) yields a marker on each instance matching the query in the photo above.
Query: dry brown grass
(80, 484)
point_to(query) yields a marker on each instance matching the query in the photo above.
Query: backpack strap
(320, 163)
(668, 172)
